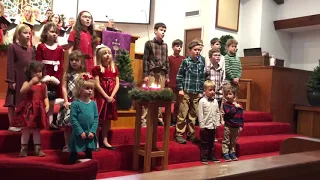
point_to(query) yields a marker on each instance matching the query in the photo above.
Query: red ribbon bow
(87, 77)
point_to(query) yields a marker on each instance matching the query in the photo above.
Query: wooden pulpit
(250, 61)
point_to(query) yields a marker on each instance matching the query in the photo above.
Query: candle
(152, 87)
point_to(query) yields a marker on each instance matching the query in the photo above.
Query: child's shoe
(214, 160)
(65, 149)
(204, 161)
(38, 151)
(226, 157)
(180, 140)
(24, 150)
(233, 157)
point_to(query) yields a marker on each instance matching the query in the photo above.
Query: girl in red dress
(83, 38)
(51, 55)
(31, 112)
(107, 85)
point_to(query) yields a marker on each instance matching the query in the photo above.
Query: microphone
(145, 14)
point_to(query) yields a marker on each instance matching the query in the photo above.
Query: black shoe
(109, 148)
(233, 157)
(204, 161)
(180, 140)
(214, 160)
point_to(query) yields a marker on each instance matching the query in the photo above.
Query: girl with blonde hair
(107, 85)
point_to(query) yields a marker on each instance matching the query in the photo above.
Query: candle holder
(151, 93)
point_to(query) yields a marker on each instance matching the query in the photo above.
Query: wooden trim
(307, 108)
(226, 28)
(297, 22)
(138, 56)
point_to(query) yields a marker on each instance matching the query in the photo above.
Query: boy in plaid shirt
(155, 65)
(215, 73)
(190, 80)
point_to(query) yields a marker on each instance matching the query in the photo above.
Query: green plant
(223, 42)
(123, 62)
(165, 94)
(4, 47)
(314, 80)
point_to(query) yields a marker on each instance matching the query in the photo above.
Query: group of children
(204, 92)
(36, 81)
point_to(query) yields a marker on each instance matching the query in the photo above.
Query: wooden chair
(247, 82)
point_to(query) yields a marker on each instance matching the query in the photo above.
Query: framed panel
(227, 14)
(14, 8)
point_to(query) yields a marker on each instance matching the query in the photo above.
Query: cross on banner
(116, 47)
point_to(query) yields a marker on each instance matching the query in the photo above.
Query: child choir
(86, 90)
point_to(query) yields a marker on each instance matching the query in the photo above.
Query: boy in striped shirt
(232, 63)
(190, 79)
(233, 124)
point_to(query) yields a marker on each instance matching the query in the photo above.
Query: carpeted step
(261, 128)
(261, 144)
(121, 159)
(180, 165)
(53, 139)
(249, 116)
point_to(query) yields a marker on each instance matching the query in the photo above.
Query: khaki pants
(158, 78)
(188, 107)
(176, 104)
(229, 142)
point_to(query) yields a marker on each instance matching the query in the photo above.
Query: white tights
(26, 135)
(50, 113)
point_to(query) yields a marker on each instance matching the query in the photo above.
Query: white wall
(250, 24)
(305, 46)
(172, 13)
(305, 50)
(298, 8)
(277, 43)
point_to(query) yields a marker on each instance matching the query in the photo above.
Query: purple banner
(113, 39)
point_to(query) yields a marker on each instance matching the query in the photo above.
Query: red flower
(86, 77)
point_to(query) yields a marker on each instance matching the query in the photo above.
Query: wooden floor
(291, 166)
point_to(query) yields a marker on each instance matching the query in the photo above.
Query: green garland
(165, 94)
(4, 47)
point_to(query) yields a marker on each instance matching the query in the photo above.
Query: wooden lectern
(150, 150)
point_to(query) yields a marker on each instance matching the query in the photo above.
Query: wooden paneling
(308, 121)
(260, 87)
(297, 22)
(126, 120)
(277, 90)
(299, 144)
(3, 74)
(137, 66)
(291, 166)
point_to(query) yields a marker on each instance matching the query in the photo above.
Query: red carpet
(260, 137)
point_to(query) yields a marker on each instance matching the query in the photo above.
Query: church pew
(291, 166)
